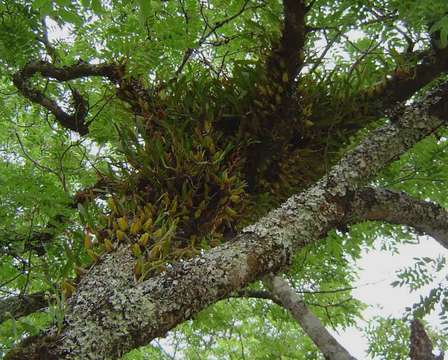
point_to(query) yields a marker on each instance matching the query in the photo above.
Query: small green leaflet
(442, 26)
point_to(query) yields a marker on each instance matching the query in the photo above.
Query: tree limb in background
(401, 209)
(416, 69)
(14, 307)
(403, 83)
(326, 343)
(283, 295)
(421, 345)
(329, 129)
(75, 121)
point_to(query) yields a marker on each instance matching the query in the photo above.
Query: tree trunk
(110, 314)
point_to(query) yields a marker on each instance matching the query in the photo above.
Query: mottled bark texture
(421, 345)
(309, 322)
(110, 314)
(399, 208)
(14, 307)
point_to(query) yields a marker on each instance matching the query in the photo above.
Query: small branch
(332, 291)
(21, 305)
(399, 208)
(364, 54)
(35, 162)
(256, 294)
(327, 344)
(206, 34)
(327, 48)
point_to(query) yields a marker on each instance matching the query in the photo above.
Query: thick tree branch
(79, 70)
(75, 121)
(21, 305)
(377, 101)
(122, 315)
(274, 108)
(403, 83)
(399, 208)
(327, 344)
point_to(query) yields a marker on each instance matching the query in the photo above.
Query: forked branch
(76, 120)
(282, 294)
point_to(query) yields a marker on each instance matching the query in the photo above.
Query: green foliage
(421, 273)
(11, 331)
(389, 338)
(18, 24)
(420, 13)
(425, 164)
(232, 329)
(426, 271)
(203, 150)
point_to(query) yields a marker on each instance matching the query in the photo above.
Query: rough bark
(399, 208)
(110, 314)
(14, 307)
(421, 345)
(257, 294)
(326, 343)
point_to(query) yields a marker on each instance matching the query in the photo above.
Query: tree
(160, 156)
